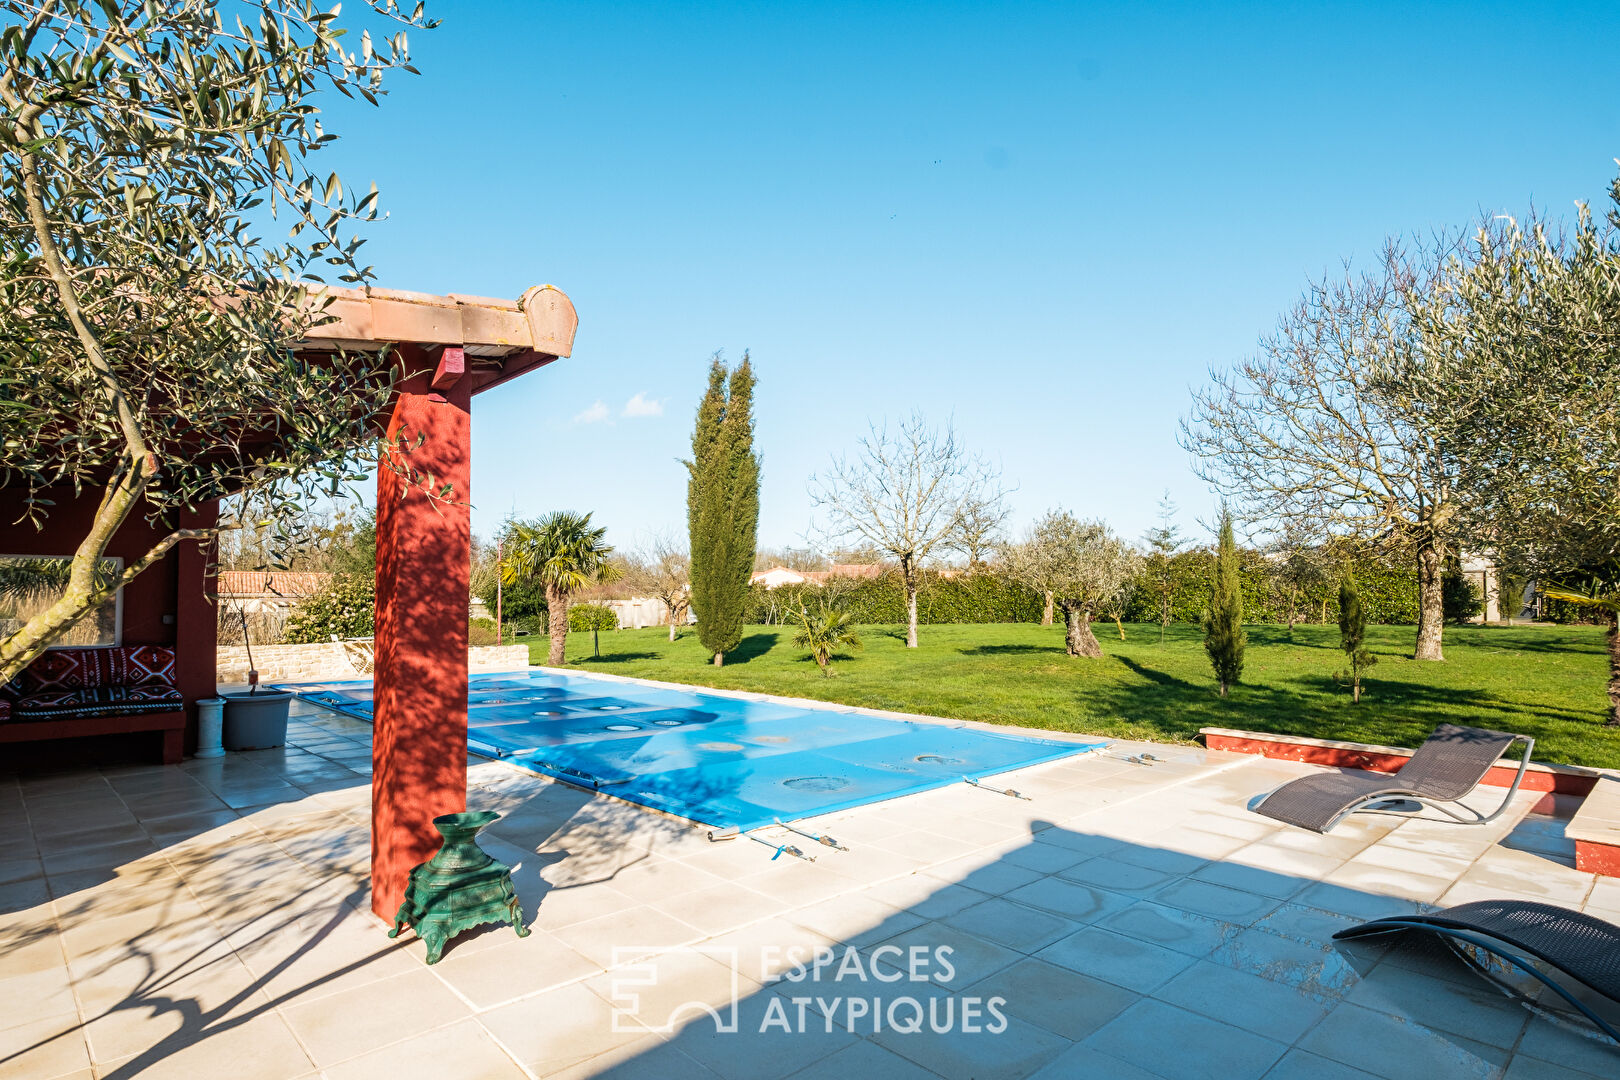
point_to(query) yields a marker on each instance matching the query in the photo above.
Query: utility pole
(497, 591)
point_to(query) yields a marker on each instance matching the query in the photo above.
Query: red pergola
(450, 348)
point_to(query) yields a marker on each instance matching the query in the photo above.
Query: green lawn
(1548, 683)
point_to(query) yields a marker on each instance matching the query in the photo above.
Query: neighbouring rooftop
(212, 919)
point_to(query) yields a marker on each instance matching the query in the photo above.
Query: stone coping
(1595, 828)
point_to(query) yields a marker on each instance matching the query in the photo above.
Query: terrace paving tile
(1173, 928)
(492, 975)
(462, 1051)
(1119, 876)
(864, 1059)
(1397, 1049)
(1245, 1001)
(1062, 1001)
(1081, 903)
(1130, 962)
(1012, 925)
(626, 935)
(768, 1052)
(135, 881)
(1138, 1036)
(1582, 1048)
(1303, 1065)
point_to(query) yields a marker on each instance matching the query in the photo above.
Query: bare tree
(900, 493)
(791, 557)
(665, 571)
(981, 517)
(1081, 563)
(1303, 435)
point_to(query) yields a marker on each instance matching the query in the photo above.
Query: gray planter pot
(256, 721)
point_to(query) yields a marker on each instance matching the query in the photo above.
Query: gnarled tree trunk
(557, 624)
(1046, 612)
(1078, 640)
(1431, 605)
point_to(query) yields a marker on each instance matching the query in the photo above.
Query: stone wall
(335, 660)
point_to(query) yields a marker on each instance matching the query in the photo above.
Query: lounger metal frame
(1381, 802)
(1370, 804)
(1498, 947)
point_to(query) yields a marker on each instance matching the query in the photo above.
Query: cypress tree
(1224, 637)
(722, 505)
(1353, 636)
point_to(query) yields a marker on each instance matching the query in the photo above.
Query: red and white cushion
(89, 669)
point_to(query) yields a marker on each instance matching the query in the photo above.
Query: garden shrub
(592, 617)
(346, 608)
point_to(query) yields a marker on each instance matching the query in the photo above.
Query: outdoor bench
(104, 690)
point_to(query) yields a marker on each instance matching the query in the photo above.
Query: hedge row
(1388, 592)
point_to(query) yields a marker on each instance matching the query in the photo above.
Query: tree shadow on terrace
(1105, 956)
(215, 928)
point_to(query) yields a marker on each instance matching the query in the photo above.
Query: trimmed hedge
(1388, 593)
(969, 598)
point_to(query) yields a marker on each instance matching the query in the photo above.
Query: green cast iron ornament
(461, 887)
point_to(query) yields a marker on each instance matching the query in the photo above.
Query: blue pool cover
(722, 761)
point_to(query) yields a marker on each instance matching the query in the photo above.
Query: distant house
(778, 576)
(270, 592)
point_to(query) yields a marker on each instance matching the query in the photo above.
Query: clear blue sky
(1043, 220)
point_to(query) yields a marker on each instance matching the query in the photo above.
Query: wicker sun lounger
(1583, 947)
(1448, 765)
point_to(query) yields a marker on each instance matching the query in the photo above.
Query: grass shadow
(1006, 650)
(753, 646)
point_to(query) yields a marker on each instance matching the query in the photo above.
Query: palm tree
(825, 631)
(561, 553)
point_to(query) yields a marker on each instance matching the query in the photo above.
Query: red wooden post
(419, 740)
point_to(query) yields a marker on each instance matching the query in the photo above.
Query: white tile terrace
(211, 919)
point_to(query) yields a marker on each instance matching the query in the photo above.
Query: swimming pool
(727, 762)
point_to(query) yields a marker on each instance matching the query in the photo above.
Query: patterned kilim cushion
(98, 701)
(87, 669)
(141, 665)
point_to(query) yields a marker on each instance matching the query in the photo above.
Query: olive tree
(1519, 374)
(901, 493)
(1305, 435)
(1082, 564)
(147, 146)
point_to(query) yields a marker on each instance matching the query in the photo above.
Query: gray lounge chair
(1448, 765)
(1583, 947)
